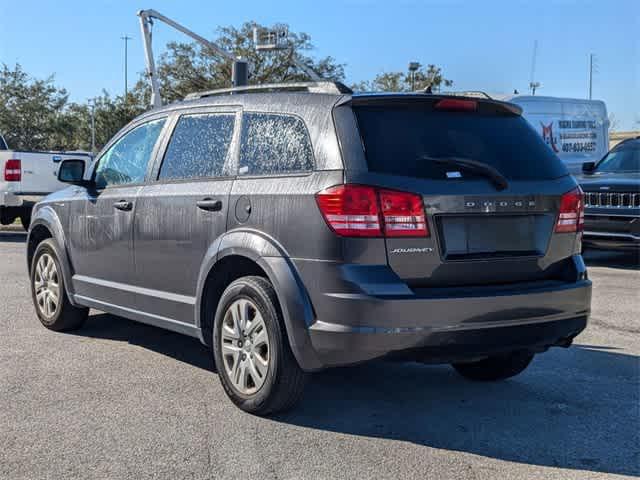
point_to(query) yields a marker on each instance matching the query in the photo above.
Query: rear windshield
(397, 138)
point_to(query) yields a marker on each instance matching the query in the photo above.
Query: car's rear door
(100, 228)
(183, 210)
(479, 233)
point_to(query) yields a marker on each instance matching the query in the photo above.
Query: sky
(480, 45)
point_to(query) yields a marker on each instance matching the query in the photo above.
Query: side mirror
(588, 167)
(72, 171)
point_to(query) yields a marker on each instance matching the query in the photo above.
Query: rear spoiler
(485, 105)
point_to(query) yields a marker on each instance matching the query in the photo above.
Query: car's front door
(101, 220)
(182, 211)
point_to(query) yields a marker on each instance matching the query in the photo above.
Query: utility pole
(126, 41)
(591, 55)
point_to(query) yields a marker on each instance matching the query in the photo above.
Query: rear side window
(273, 144)
(397, 138)
(198, 147)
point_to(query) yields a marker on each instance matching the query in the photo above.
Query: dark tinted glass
(622, 159)
(126, 160)
(198, 146)
(396, 138)
(273, 144)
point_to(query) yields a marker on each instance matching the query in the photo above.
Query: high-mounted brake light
(456, 105)
(12, 171)
(571, 215)
(363, 211)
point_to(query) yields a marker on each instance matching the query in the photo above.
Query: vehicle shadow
(612, 259)
(181, 347)
(577, 408)
(13, 236)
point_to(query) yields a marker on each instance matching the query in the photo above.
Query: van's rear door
(480, 232)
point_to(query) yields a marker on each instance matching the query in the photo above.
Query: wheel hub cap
(46, 286)
(245, 348)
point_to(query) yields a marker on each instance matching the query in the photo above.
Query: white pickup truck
(26, 177)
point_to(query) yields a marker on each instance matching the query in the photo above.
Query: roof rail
(470, 93)
(311, 87)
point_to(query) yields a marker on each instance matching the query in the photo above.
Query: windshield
(399, 140)
(625, 159)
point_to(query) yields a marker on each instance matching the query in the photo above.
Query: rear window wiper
(499, 181)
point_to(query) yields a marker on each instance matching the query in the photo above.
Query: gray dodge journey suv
(297, 227)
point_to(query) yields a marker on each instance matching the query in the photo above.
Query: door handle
(123, 205)
(209, 204)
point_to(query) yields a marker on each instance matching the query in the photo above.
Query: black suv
(612, 198)
(298, 227)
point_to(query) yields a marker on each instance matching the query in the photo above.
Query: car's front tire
(48, 292)
(255, 363)
(499, 367)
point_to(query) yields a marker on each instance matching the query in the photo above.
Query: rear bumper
(611, 240)
(447, 328)
(613, 231)
(10, 199)
(443, 346)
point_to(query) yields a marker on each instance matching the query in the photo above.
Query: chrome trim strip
(173, 297)
(139, 316)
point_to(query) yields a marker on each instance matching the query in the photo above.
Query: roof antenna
(533, 85)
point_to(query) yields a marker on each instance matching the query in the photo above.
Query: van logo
(412, 250)
(548, 137)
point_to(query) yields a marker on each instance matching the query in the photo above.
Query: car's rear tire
(499, 367)
(48, 292)
(251, 350)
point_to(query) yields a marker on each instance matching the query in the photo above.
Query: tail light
(363, 211)
(571, 216)
(12, 171)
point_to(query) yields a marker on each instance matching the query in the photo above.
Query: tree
(31, 110)
(402, 82)
(110, 115)
(188, 67)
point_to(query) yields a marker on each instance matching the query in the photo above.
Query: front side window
(272, 144)
(198, 147)
(126, 160)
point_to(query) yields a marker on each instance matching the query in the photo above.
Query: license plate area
(468, 237)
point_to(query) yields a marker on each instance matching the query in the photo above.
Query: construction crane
(239, 71)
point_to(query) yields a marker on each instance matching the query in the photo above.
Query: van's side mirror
(72, 171)
(588, 167)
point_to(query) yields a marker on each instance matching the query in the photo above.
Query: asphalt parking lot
(123, 400)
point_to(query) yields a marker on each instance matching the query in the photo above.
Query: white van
(576, 129)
